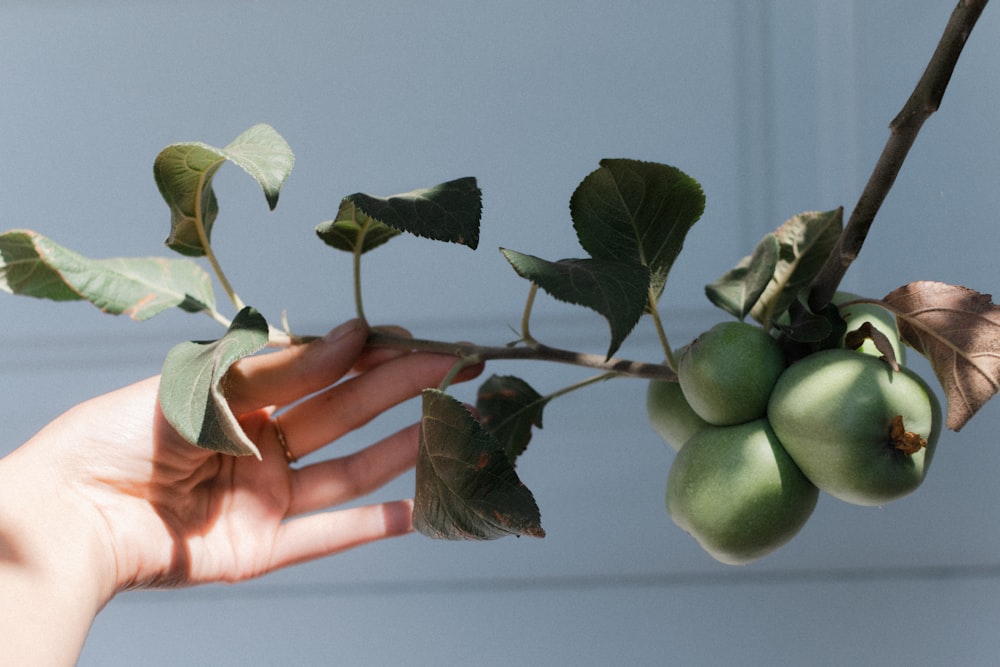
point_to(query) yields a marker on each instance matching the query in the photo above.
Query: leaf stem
(206, 246)
(586, 382)
(923, 101)
(218, 317)
(460, 365)
(526, 317)
(476, 353)
(358, 302)
(661, 333)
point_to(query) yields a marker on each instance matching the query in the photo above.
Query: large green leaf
(353, 229)
(192, 387)
(618, 290)
(636, 212)
(141, 287)
(508, 407)
(466, 485)
(738, 290)
(447, 212)
(184, 173)
(805, 241)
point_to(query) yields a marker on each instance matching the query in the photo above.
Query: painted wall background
(775, 107)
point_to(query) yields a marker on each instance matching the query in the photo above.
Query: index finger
(282, 377)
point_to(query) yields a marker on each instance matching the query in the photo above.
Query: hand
(110, 489)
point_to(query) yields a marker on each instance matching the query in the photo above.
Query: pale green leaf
(184, 173)
(353, 229)
(141, 287)
(805, 241)
(738, 290)
(192, 387)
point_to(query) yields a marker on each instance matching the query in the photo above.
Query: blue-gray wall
(775, 107)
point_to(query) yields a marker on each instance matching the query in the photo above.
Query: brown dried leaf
(855, 339)
(958, 330)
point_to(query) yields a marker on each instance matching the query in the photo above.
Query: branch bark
(536, 351)
(924, 101)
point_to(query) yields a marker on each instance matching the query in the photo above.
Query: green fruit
(727, 373)
(834, 412)
(670, 414)
(736, 491)
(857, 314)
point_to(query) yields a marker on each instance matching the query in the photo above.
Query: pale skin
(108, 497)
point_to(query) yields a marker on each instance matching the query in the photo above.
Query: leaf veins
(958, 330)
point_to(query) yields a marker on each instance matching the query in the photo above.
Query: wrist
(56, 571)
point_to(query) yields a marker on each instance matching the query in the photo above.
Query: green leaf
(636, 212)
(192, 387)
(618, 290)
(805, 242)
(353, 229)
(141, 287)
(508, 407)
(447, 212)
(466, 485)
(737, 291)
(184, 174)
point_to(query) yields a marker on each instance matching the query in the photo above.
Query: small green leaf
(447, 212)
(799, 324)
(508, 407)
(636, 212)
(353, 229)
(192, 387)
(805, 241)
(738, 290)
(466, 485)
(184, 174)
(618, 290)
(141, 287)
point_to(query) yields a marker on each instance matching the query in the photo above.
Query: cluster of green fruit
(757, 440)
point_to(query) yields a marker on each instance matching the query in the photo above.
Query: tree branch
(537, 352)
(924, 101)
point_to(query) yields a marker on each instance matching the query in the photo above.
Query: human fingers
(372, 356)
(340, 409)
(317, 535)
(336, 481)
(282, 377)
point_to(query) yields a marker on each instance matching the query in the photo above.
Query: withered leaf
(855, 339)
(958, 330)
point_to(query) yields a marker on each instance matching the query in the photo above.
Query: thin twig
(538, 352)
(924, 101)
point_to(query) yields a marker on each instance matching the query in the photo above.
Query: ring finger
(330, 414)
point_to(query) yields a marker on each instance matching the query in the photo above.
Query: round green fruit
(859, 430)
(670, 414)
(857, 314)
(736, 491)
(727, 373)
